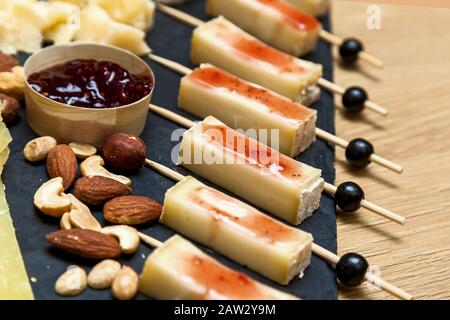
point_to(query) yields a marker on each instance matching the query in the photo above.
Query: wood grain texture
(414, 42)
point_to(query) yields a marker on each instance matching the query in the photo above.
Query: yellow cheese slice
(14, 283)
(3, 157)
(5, 136)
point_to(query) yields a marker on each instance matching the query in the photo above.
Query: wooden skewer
(152, 242)
(325, 35)
(318, 250)
(175, 66)
(180, 15)
(329, 188)
(363, 55)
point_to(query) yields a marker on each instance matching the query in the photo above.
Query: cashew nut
(93, 166)
(83, 150)
(125, 285)
(38, 149)
(103, 274)
(72, 282)
(128, 237)
(64, 223)
(50, 198)
(81, 217)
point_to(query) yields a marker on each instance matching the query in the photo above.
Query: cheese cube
(236, 230)
(275, 22)
(224, 45)
(257, 173)
(243, 105)
(180, 271)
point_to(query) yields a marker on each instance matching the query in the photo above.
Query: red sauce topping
(91, 84)
(292, 15)
(224, 208)
(216, 78)
(240, 149)
(222, 282)
(251, 48)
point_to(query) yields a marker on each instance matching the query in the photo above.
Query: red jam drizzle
(244, 150)
(218, 79)
(91, 84)
(292, 15)
(224, 208)
(251, 48)
(220, 282)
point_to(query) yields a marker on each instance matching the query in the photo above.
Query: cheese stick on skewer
(208, 90)
(177, 270)
(341, 194)
(275, 22)
(224, 45)
(270, 19)
(317, 250)
(236, 230)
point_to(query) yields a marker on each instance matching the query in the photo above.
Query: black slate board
(172, 40)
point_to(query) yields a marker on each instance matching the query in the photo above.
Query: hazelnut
(10, 109)
(7, 62)
(124, 152)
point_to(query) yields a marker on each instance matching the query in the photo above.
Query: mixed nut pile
(12, 85)
(81, 233)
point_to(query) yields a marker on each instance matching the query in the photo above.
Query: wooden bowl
(77, 124)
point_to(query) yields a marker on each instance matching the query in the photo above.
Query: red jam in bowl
(91, 84)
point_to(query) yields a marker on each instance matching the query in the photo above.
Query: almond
(131, 210)
(97, 190)
(62, 162)
(85, 243)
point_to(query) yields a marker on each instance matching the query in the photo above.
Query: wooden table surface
(414, 42)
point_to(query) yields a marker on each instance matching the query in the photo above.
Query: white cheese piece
(97, 26)
(136, 13)
(224, 45)
(180, 271)
(242, 105)
(263, 176)
(236, 230)
(275, 22)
